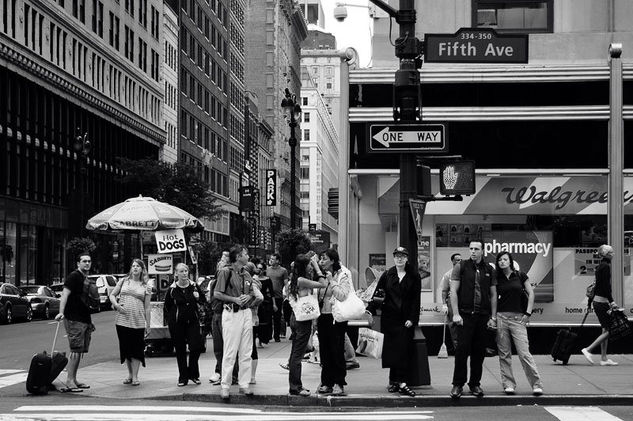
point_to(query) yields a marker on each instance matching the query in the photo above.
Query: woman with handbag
(603, 304)
(398, 296)
(513, 314)
(332, 332)
(305, 309)
(181, 306)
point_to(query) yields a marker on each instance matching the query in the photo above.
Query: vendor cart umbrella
(143, 214)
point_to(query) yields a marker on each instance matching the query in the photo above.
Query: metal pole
(616, 167)
(347, 58)
(293, 182)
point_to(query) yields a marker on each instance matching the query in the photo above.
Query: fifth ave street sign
(475, 45)
(398, 138)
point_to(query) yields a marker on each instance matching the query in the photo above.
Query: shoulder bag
(351, 308)
(619, 326)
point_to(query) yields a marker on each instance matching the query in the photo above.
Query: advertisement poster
(424, 262)
(160, 264)
(378, 262)
(586, 260)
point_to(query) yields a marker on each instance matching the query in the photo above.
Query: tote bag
(370, 343)
(305, 308)
(351, 308)
(619, 326)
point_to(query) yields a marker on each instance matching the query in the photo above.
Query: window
(304, 100)
(306, 117)
(306, 134)
(514, 16)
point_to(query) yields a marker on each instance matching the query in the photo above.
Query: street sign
(476, 45)
(247, 198)
(417, 208)
(399, 138)
(271, 188)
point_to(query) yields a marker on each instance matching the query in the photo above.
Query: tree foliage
(176, 184)
(78, 245)
(292, 242)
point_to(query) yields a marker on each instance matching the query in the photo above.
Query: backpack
(90, 295)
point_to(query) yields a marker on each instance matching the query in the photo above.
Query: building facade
(319, 160)
(80, 88)
(273, 65)
(538, 132)
(169, 74)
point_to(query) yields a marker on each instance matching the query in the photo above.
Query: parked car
(13, 304)
(105, 285)
(44, 302)
(57, 289)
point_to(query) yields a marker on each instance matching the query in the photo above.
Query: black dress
(401, 303)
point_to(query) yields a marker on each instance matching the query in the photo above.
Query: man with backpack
(76, 301)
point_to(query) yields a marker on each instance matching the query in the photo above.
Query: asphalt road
(20, 341)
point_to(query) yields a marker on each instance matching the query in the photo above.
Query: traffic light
(423, 180)
(457, 177)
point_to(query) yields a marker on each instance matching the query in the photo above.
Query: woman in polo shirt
(512, 319)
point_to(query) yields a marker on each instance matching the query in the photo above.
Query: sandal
(127, 381)
(82, 385)
(70, 389)
(136, 383)
(404, 390)
(393, 388)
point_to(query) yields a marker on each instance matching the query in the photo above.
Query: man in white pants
(235, 288)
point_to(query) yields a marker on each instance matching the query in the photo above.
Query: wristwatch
(527, 313)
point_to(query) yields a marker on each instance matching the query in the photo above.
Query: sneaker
(246, 391)
(338, 390)
(477, 391)
(301, 392)
(608, 362)
(587, 355)
(224, 394)
(195, 381)
(324, 389)
(182, 384)
(215, 379)
(456, 392)
(285, 366)
(509, 390)
(537, 391)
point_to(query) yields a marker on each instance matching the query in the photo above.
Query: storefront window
(9, 252)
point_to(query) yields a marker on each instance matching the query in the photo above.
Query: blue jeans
(510, 329)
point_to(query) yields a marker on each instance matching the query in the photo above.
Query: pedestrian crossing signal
(457, 177)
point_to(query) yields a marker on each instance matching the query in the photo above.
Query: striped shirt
(132, 299)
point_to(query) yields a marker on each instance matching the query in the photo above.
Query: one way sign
(399, 138)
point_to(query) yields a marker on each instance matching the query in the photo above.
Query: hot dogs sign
(170, 241)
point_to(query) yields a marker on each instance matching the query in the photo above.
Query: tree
(176, 184)
(290, 243)
(80, 245)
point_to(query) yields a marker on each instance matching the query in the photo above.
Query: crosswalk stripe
(195, 417)
(580, 413)
(12, 379)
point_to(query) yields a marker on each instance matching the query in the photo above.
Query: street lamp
(293, 113)
(83, 147)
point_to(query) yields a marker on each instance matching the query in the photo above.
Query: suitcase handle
(55, 337)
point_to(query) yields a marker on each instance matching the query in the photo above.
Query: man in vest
(445, 288)
(474, 302)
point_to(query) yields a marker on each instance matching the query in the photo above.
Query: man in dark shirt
(279, 276)
(474, 302)
(77, 321)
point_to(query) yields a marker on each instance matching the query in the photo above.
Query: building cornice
(38, 71)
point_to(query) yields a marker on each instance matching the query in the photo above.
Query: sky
(355, 31)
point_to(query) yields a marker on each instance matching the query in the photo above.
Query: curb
(384, 401)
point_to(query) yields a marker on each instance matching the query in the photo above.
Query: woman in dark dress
(602, 304)
(398, 296)
(265, 311)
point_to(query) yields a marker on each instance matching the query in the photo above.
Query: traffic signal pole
(407, 108)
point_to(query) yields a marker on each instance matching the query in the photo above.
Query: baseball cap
(401, 250)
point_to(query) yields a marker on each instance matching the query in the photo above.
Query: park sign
(476, 45)
(399, 138)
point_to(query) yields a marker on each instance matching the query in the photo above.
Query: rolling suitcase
(565, 342)
(41, 369)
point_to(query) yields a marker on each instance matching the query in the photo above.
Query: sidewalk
(576, 383)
